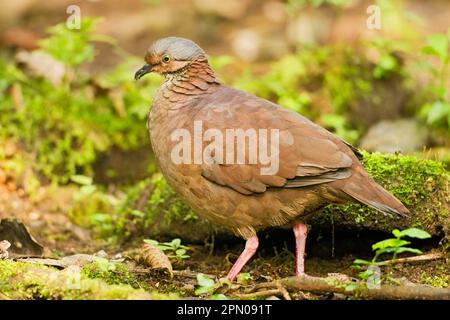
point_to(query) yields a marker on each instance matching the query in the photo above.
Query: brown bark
(324, 285)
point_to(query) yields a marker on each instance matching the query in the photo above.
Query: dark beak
(143, 71)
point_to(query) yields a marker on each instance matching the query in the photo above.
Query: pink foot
(250, 248)
(300, 231)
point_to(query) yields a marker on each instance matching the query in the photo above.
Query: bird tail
(364, 189)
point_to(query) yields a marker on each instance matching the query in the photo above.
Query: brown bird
(212, 143)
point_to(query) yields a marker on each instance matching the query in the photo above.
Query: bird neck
(195, 77)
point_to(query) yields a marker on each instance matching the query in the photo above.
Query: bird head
(169, 56)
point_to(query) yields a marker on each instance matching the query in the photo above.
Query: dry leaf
(42, 64)
(153, 257)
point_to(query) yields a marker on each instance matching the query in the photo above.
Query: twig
(421, 258)
(285, 293)
(189, 274)
(265, 285)
(258, 294)
(315, 284)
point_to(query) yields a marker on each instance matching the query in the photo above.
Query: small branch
(266, 285)
(189, 274)
(285, 293)
(259, 294)
(315, 284)
(421, 258)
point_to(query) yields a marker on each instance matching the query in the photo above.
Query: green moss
(30, 281)
(152, 209)
(439, 279)
(110, 272)
(422, 185)
(411, 179)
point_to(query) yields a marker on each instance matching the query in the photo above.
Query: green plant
(395, 245)
(207, 286)
(72, 46)
(338, 124)
(62, 128)
(174, 249)
(437, 111)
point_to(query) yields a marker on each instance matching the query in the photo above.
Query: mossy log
(152, 209)
(360, 290)
(20, 280)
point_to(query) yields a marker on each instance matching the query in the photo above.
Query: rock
(246, 45)
(102, 254)
(404, 135)
(309, 27)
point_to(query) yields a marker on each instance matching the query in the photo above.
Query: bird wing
(307, 154)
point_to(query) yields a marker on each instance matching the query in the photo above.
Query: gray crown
(178, 48)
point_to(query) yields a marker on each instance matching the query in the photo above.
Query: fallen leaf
(41, 64)
(153, 257)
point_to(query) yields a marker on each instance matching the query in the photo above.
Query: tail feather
(365, 190)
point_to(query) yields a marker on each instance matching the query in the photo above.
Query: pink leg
(250, 248)
(300, 231)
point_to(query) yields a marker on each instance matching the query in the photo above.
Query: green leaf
(219, 296)
(389, 243)
(412, 233)
(243, 277)
(437, 111)
(437, 45)
(87, 190)
(152, 242)
(351, 287)
(180, 252)
(175, 243)
(81, 180)
(406, 249)
(71, 46)
(202, 290)
(138, 213)
(366, 274)
(204, 281)
(361, 261)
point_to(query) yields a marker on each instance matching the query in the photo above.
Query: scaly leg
(300, 231)
(250, 248)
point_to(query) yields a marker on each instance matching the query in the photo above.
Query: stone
(404, 135)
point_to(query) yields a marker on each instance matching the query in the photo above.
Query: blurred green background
(69, 105)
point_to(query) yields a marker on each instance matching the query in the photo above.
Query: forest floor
(48, 222)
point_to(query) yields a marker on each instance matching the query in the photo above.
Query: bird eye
(166, 59)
